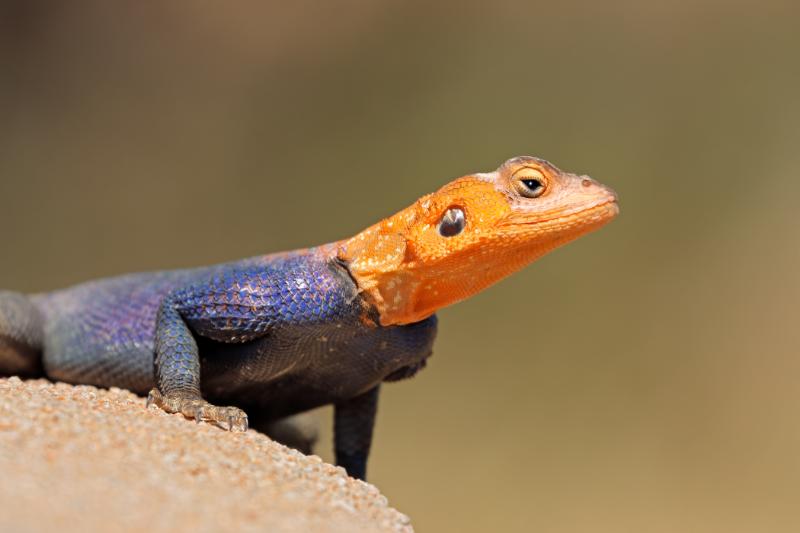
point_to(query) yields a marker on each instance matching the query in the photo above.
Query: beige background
(645, 378)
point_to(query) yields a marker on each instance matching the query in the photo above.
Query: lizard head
(471, 233)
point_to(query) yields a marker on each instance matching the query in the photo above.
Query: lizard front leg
(177, 372)
(353, 424)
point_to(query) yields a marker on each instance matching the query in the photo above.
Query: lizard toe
(234, 418)
(199, 410)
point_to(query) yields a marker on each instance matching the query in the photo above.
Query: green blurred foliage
(644, 378)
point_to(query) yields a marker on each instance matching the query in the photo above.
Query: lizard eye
(452, 223)
(530, 183)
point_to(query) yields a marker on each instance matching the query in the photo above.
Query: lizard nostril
(587, 182)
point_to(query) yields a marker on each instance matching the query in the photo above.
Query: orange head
(471, 233)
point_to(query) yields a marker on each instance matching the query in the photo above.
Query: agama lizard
(280, 334)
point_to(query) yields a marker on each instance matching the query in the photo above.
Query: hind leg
(298, 431)
(21, 334)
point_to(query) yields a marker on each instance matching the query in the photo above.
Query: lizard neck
(376, 260)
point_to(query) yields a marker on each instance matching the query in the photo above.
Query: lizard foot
(230, 418)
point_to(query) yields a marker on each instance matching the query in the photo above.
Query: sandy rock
(78, 458)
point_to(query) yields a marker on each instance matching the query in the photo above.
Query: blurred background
(644, 378)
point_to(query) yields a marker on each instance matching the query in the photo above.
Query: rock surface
(78, 458)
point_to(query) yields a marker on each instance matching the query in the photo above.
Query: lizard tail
(21, 335)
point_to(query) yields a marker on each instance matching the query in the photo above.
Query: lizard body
(280, 334)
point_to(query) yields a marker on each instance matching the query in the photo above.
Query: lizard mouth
(608, 207)
(597, 213)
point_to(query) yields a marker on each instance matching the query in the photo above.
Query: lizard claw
(153, 398)
(237, 419)
(199, 410)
